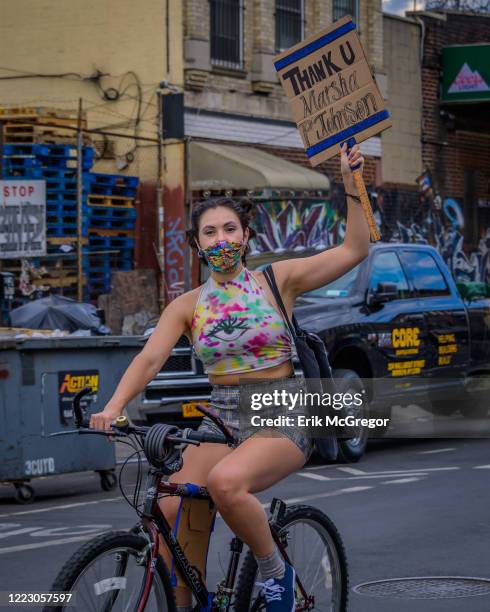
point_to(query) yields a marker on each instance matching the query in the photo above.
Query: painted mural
(298, 223)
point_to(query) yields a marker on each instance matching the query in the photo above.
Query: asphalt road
(412, 508)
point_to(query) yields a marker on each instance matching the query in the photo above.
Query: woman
(238, 332)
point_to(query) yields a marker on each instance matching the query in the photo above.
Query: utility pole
(160, 211)
(80, 203)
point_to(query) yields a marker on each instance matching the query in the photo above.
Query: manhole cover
(428, 587)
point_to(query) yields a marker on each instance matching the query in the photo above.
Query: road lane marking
(481, 467)
(375, 475)
(313, 476)
(24, 530)
(401, 481)
(353, 471)
(433, 452)
(401, 472)
(62, 507)
(323, 467)
(134, 460)
(21, 547)
(297, 500)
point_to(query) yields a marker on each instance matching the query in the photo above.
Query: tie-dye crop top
(236, 329)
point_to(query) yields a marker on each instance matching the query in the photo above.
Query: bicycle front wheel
(108, 574)
(317, 553)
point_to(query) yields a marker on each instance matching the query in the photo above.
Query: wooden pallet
(41, 114)
(66, 281)
(114, 232)
(65, 240)
(110, 201)
(27, 133)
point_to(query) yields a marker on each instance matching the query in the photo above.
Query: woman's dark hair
(242, 207)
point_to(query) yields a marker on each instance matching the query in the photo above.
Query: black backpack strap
(269, 275)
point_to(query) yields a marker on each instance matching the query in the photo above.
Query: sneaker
(279, 592)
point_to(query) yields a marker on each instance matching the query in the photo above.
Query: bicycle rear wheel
(108, 573)
(318, 556)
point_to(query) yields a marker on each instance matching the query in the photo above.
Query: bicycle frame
(155, 523)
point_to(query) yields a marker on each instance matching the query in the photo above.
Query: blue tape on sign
(314, 46)
(192, 489)
(347, 133)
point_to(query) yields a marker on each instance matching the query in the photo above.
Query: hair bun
(246, 204)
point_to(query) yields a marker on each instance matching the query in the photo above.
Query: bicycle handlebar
(122, 427)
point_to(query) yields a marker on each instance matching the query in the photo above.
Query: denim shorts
(225, 403)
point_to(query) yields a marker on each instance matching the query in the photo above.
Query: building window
(346, 7)
(289, 23)
(227, 33)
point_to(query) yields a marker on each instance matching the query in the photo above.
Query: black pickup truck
(399, 313)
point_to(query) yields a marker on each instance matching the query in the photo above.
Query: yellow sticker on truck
(406, 368)
(405, 337)
(406, 341)
(446, 349)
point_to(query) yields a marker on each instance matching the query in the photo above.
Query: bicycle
(122, 570)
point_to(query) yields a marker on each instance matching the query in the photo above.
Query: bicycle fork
(222, 597)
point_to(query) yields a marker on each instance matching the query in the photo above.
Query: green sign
(466, 73)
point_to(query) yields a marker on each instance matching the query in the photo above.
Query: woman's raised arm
(308, 273)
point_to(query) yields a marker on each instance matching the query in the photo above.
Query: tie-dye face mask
(223, 256)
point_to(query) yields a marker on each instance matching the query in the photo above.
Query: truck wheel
(475, 404)
(353, 449)
(24, 494)
(444, 408)
(108, 481)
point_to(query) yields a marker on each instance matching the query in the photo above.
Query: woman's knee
(225, 487)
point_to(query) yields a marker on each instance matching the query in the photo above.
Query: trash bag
(58, 312)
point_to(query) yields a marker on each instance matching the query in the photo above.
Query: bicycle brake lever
(178, 439)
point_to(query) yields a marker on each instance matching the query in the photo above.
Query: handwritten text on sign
(332, 93)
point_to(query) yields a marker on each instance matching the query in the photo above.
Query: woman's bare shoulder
(186, 303)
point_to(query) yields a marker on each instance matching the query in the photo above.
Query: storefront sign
(466, 73)
(332, 92)
(22, 219)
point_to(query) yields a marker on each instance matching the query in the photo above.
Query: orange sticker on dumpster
(72, 383)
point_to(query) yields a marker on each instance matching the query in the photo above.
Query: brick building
(456, 138)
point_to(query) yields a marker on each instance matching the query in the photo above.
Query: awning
(220, 166)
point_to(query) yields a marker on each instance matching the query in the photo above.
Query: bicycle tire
(84, 557)
(245, 601)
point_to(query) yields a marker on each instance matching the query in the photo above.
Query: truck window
(386, 268)
(427, 278)
(341, 287)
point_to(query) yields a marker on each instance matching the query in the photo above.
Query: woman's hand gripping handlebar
(121, 426)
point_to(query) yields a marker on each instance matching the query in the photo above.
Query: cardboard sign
(332, 93)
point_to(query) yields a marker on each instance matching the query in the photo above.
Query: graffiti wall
(297, 223)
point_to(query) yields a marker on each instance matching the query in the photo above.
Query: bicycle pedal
(277, 510)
